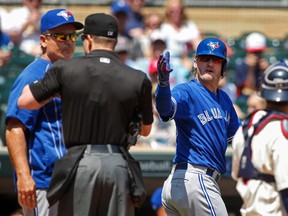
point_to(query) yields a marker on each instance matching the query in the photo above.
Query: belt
(102, 148)
(211, 172)
(264, 177)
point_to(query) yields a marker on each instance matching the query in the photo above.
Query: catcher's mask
(274, 82)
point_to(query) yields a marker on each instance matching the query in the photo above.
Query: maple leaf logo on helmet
(213, 45)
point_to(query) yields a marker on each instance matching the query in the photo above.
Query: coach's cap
(57, 17)
(101, 24)
(255, 42)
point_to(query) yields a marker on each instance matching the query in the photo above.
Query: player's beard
(208, 77)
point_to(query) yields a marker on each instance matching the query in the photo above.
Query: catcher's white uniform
(269, 156)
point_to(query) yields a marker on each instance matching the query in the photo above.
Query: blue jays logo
(65, 14)
(213, 45)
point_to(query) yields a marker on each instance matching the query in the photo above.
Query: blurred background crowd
(145, 32)
(254, 36)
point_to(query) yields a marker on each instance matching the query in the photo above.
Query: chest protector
(247, 170)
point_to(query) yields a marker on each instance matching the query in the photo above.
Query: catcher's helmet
(215, 47)
(274, 82)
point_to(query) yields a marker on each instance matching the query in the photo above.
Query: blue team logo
(213, 45)
(65, 14)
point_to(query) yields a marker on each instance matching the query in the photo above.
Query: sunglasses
(62, 37)
(206, 58)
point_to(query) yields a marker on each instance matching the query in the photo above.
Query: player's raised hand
(164, 70)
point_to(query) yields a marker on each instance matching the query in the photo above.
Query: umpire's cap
(215, 47)
(274, 82)
(101, 24)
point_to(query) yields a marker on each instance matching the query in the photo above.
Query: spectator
(241, 115)
(181, 35)
(228, 87)
(135, 25)
(120, 10)
(149, 64)
(248, 72)
(5, 48)
(156, 202)
(163, 134)
(34, 138)
(153, 22)
(123, 49)
(158, 46)
(255, 102)
(22, 24)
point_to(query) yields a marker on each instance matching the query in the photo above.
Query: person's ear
(90, 42)
(43, 41)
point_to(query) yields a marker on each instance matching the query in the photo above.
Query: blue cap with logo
(119, 6)
(212, 46)
(57, 17)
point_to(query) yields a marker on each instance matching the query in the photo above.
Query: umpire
(100, 97)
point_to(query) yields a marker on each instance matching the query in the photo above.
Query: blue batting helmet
(215, 47)
(274, 82)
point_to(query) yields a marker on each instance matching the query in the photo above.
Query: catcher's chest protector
(247, 170)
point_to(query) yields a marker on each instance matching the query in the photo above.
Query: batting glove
(164, 70)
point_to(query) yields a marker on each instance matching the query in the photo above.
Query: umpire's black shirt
(99, 95)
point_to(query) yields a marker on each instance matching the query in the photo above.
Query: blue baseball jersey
(43, 127)
(205, 123)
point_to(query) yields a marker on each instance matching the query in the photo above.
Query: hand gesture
(164, 70)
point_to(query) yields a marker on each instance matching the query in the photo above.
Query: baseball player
(206, 121)
(260, 146)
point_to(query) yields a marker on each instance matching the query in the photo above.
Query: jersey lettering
(227, 117)
(202, 118)
(208, 117)
(215, 114)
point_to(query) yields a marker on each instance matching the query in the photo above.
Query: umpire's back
(99, 90)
